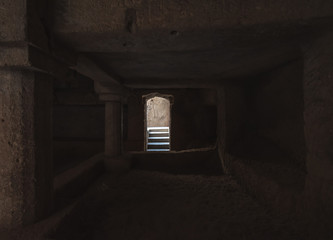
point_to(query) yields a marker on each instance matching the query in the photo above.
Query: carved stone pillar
(112, 124)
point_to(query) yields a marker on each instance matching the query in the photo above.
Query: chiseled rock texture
(25, 166)
(318, 117)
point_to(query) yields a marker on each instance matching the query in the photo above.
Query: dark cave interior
(249, 88)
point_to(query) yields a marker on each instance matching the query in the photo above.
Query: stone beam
(186, 83)
(88, 68)
(178, 83)
(104, 16)
(25, 56)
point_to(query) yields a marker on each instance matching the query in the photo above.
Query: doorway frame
(145, 98)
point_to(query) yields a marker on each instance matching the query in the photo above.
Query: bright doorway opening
(158, 122)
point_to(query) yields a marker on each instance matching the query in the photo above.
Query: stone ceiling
(182, 43)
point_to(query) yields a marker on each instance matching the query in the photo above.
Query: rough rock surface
(152, 205)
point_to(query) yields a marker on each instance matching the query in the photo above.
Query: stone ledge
(66, 178)
(194, 161)
(310, 206)
(285, 200)
(73, 182)
(63, 182)
(41, 229)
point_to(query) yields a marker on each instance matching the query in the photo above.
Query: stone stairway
(158, 139)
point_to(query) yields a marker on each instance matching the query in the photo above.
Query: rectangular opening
(157, 124)
(158, 139)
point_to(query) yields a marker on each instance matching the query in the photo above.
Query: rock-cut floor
(143, 205)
